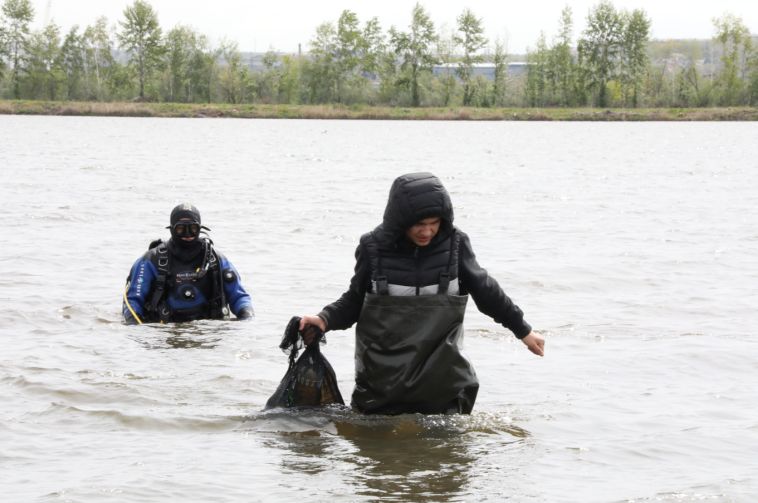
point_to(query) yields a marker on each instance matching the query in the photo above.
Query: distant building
(486, 70)
(254, 61)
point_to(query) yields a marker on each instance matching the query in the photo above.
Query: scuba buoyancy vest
(172, 283)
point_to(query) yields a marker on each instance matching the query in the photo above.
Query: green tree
(178, 47)
(266, 83)
(415, 51)
(691, 89)
(321, 70)
(182, 45)
(634, 62)
(373, 50)
(446, 81)
(3, 51)
(349, 48)
(537, 77)
(736, 44)
(140, 35)
(235, 76)
(656, 87)
(17, 15)
(499, 59)
(552, 77)
(99, 63)
(203, 72)
(342, 59)
(562, 70)
(599, 49)
(72, 61)
(389, 77)
(471, 39)
(374, 47)
(753, 79)
(289, 85)
(44, 75)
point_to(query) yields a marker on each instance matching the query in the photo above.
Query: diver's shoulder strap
(214, 260)
(218, 304)
(159, 288)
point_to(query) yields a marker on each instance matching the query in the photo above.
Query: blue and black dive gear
(206, 281)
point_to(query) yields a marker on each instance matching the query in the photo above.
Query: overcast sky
(283, 24)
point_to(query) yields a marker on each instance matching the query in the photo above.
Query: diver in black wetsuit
(184, 279)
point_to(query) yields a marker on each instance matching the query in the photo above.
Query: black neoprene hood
(185, 210)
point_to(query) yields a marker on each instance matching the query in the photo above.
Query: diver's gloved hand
(246, 313)
(129, 319)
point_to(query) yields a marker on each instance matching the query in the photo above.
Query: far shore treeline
(353, 64)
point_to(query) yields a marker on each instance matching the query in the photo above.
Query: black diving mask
(186, 229)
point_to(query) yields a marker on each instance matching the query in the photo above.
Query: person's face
(186, 229)
(422, 232)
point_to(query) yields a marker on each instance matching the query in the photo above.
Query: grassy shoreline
(362, 112)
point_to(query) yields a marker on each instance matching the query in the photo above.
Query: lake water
(631, 246)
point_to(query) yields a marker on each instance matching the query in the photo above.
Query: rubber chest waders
(408, 357)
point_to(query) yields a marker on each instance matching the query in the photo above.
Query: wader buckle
(382, 288)
(444, 282)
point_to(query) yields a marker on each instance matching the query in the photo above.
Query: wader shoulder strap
(375, 261)
(444, 282)
(452, 261)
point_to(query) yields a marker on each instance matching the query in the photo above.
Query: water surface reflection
(387, 458)
(205, 334)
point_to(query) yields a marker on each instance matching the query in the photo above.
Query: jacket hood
(414, 197)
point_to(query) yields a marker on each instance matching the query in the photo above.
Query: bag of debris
(310, 380)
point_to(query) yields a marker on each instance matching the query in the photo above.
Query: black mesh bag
(310, 380)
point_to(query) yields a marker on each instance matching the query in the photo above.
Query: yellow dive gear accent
(129, 306)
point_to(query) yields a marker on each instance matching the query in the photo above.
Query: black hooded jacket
(387, 252)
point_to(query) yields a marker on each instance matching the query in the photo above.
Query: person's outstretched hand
(307, 322)
(535, 343)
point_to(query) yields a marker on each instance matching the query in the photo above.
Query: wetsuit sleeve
(490, 299)
(141, 278)
(236, 295)
(344, 312)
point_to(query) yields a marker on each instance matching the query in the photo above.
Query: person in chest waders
(413, 276)
(185, 279)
